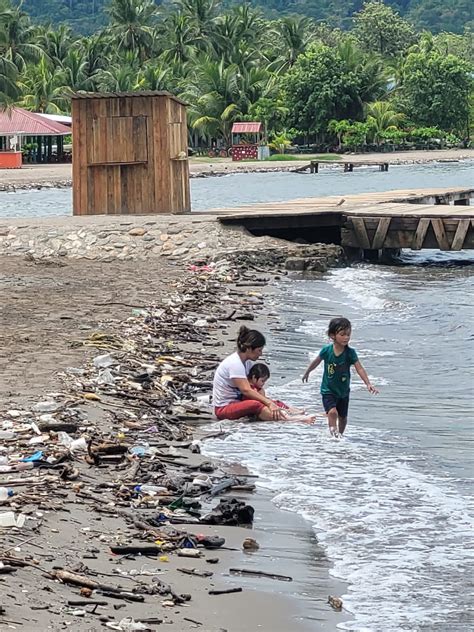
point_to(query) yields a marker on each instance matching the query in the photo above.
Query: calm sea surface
(390, 502)
(245, 188)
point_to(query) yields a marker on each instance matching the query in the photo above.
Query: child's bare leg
(267, 415)
(342, 423)
(332, 420)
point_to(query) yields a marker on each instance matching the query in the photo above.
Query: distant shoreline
(60, 175)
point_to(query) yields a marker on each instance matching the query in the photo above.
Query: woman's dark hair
(249, 339)
(259, 370)
(338, 324)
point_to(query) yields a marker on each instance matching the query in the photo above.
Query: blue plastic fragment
(37, 456)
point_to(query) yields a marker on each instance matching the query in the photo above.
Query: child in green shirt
(338, 358)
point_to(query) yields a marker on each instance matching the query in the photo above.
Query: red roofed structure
(20, 127)
(248, 141)
(19, 122)
(244, 128)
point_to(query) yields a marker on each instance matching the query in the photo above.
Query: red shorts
(238, 409)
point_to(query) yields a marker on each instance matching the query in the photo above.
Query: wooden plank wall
(124, 156)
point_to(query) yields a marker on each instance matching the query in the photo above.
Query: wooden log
(257, 573)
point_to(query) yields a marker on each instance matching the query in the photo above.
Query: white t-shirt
(223, 390)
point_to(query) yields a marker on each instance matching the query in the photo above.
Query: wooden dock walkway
(313, 165)
(422, 218)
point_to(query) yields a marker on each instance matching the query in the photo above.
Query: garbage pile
(116, 443)
(102, 484)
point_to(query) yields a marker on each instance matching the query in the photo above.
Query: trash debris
(117, 444)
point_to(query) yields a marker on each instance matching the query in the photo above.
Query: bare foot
(304, 419)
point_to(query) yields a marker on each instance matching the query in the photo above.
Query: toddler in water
(258, 376)
(338, 358)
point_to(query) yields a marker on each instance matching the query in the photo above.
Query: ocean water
(247, 188)
(390, 502)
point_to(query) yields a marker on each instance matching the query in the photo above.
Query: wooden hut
(248, 141)
(130, 153)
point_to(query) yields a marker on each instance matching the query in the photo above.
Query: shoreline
(60, 175)
(46, 291)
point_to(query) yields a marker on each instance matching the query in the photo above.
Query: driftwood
(109, 591)
(137, 550)
(256, 573)
(195, 572)
(225, 592)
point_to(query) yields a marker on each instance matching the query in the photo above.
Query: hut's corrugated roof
(247, 127)
(139, 93)
(16, 121)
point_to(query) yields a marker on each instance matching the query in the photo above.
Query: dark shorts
(341, 404)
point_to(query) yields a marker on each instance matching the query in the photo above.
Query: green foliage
(425, 133)
(435, 90)
(325, 84)
(281, 140)
(86, 16)
(381, 30)
(381, 118)
(233, 61)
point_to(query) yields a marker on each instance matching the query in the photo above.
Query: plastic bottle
(5, 494)
(151, 490)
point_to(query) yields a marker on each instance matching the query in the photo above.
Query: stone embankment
(194, 240)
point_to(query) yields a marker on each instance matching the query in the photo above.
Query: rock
(180, 251)
(138, 231)
(295, 263)
(249, 544)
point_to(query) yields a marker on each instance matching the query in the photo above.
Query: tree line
(86, 16)
(381, 81)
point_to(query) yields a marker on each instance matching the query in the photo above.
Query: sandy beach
(48, 307)
(31, 176)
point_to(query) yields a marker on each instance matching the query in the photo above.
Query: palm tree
(43, 89)
(201, 15)
(237, 34)
(55, 42)
(179, 37)
(8, 82)
(17, 37)
(215, 96)
(158, 76)
(75, 71)
(370, 71)
(121, 76)
(339, 128)
(132, 25)
(294, 35)
(96, 51)
(381, 118)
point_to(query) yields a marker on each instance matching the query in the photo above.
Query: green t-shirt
(337, 371)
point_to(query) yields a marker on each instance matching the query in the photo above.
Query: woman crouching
(232, 395)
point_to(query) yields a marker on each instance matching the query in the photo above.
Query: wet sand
(61, 175)
(45, 308)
